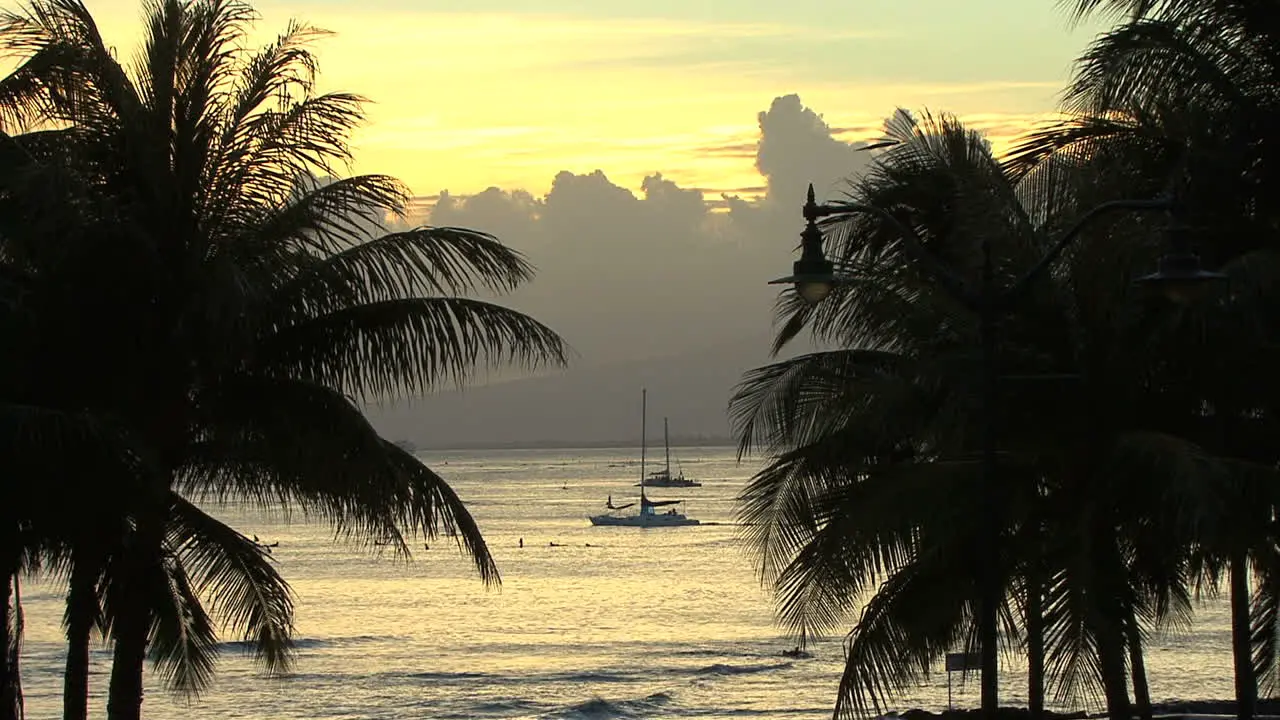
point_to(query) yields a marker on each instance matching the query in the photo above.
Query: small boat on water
(664, 478)
(648, 516)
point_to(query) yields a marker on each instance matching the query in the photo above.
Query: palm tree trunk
(15, 649)
(1241, 646)
(82, 613)
(1110, 613)
(1111, 657)
(9, 561)
(1035, 638)
(1138, 665)
(9, 708)
(132, 621)
(124, 701)
(991, 588)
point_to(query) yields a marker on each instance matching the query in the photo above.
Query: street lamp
(1179, 275)
(813, 274)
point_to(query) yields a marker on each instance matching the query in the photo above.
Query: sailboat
(648, 516)
(663, 478)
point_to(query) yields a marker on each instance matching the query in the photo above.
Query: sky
(650, 160)
(468, 95)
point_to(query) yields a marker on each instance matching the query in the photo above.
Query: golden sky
(468, 95)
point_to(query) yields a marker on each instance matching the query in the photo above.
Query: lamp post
(1179, 275)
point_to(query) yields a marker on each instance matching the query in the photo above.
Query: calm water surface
(643, 624)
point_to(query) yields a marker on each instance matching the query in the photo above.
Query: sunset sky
(489, 92)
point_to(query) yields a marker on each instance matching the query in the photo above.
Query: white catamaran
(648, 515)
(664, 478)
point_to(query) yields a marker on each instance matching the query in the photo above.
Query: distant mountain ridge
(595, 406)
(708, 442)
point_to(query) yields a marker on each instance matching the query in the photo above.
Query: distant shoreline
(575, 444)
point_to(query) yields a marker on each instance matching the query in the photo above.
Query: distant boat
(663, 478)
(648, 516)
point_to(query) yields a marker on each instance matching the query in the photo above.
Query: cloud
(630, 274)
(490, 92)
(551, 41)
(797, 148)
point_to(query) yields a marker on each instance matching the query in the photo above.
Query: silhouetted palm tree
(1192, 86)
(69, 512)
(51, 454)
(252, 293)
(871, 492)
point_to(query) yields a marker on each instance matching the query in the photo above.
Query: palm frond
(776, 509)
(423, 261)
(278, 72)
(238, 577)
(1137, 9)
(57, 452)
(786, 504)
(941, 182)
(24, 103)
(183, 640)
(1264, 618)
(1187, 477)
(285, 442)
(409, 346)
(48, 41)
(319, 217)
(14, 632)
(291, 443)
(439, 511)
(308, 136)
(864, 530)
(791, 316)
(73, 77)
(1071, 657)
(1088, 142)
(204, 58)
(904, 629)
(1149, 62)
(791, 403)
(827, 419)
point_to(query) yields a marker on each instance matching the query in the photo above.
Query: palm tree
(62, 453)
(870, 485)
(46, 449)
(258, 301)
(1201, 77)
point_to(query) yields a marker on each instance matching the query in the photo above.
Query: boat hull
(669, 483)
(644, 521)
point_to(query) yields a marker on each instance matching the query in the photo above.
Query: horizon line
(614, 444)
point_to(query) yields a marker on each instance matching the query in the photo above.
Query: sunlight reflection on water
(645, 623)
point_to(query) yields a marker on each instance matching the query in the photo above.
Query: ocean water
(644, 623)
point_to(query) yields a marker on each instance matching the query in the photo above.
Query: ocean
(608, 623)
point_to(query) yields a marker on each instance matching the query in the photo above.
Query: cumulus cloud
(628, 274)
(796, 148)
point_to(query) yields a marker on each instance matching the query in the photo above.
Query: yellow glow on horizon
(464, 101)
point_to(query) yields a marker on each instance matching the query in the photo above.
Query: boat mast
(666, 440)
(644, 399)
